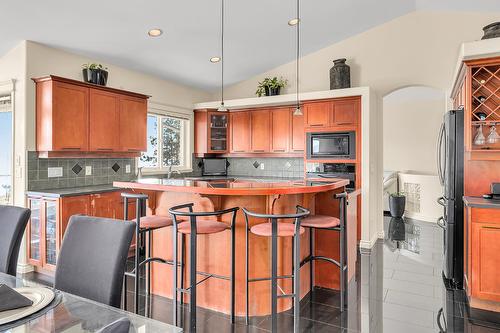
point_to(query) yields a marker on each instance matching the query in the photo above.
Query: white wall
(412, 117)
(419, 48)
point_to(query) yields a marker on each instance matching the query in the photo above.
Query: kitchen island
(258, 195)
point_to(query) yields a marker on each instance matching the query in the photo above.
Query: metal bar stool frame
(295, 295)
(139, 232)
(343, 251)
(191, 290)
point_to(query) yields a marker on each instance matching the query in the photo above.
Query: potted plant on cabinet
(271, 86)
(397, 203)
(95, 73)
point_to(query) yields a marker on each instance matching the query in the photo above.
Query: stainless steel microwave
(336, 145)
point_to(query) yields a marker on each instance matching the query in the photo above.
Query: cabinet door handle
(71, 148)
(105, 149)
(133, 149)
(279, 150)
(344, 123)
(238, 151)
(316, 125)
(258, 150)
(489, 227)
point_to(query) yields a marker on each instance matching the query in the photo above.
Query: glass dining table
(70, 313)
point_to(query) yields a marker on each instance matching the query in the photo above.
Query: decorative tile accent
(115, 167)
(256, 164)
(287, 165)
(77, 168)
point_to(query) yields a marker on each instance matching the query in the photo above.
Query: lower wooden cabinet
(50, 218)
(482, 268)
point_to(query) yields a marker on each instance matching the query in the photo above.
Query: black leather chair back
(13, 221)
(93, 257)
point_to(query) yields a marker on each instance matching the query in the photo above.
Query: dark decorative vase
(272, 91)
(340, 75)
(491, 30)
(102, 77)
(397, 205)
(87, 75)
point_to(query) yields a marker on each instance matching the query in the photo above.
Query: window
(6, 142)
(167, 144)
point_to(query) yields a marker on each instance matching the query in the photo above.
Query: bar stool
(195, 227)
(276, 229)
(324, 222)
(144, 224)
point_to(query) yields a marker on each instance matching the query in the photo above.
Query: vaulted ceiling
(257, 35)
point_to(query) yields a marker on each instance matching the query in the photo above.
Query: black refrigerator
(451, 175)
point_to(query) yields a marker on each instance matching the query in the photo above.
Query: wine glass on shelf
(479, 139)
(493, 137)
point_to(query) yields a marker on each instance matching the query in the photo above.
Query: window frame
(186, 142)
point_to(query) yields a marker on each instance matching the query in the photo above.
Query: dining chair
(93, 257)
(13, 221)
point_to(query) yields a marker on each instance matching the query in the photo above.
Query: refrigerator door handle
(439, 159)
(441, 222)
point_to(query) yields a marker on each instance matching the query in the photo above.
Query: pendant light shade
(222, 107)
(298, 109)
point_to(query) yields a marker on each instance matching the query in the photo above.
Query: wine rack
(485, 107)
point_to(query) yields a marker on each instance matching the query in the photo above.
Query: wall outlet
(55, 172)
(88, 170)
(127, 168)
(262, 166)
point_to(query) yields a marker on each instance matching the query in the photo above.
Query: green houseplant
(95, 73)
(271, 86)
(397, 202)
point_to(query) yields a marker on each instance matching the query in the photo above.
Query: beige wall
(411, 118)
(420, 48)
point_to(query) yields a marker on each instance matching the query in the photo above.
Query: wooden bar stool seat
(266, 229)
(203, 227)
(320, 221)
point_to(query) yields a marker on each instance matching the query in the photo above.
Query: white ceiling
(257, 35)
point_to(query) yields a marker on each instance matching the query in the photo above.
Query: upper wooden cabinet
(317, 114)
(210, 132)
(345, 112)
(104, 121)
(297, 137)
(260, 131)
(240, 132)
(280, 122)
(74, 118)
(133, 125)
(333, 113)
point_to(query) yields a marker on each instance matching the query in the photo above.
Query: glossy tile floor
(398, 288)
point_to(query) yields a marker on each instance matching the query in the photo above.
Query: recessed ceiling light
(293, 22)
(155, 32)
(214, 59)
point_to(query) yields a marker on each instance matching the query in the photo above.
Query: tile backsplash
(104, 171)
(273, 167)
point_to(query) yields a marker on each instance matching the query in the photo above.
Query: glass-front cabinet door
(218, 132)
(35, 231)
(50, 232)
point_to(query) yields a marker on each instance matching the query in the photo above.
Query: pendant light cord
(298, 53)
(222, 52)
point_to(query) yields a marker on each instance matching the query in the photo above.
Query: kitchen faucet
(169, 173)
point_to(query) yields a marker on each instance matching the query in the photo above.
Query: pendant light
(222, 108)
(298, 110)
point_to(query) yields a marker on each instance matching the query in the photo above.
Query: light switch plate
(127, 168)
(88, 170)
(262, 166)
(55, 172)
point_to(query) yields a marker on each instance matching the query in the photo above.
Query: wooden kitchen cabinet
(317, 114)
(297, 134)
(240, 132)
(133, 127)
(210, 132)
(260, 124)
(104, 121)
(280, 131)
(345, 112)
(78, 119)
(481, 259)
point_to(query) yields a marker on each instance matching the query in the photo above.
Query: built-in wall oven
(334, 145)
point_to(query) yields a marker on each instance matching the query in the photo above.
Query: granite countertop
(480, 202)
(73, 191)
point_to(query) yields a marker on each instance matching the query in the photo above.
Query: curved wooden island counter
(264, 196)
